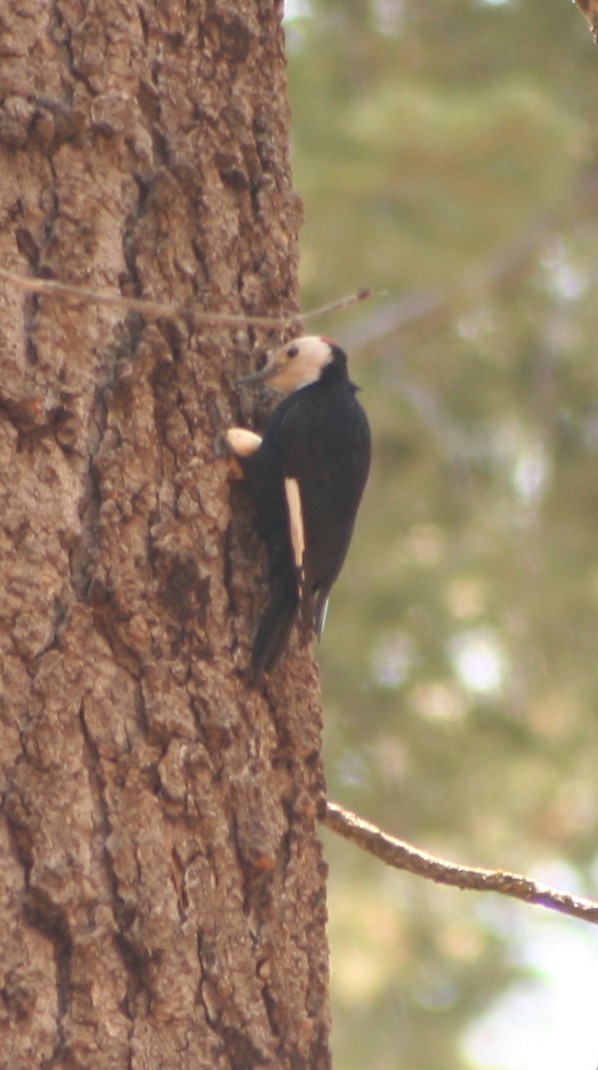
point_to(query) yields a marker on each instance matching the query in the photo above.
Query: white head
(297, 363)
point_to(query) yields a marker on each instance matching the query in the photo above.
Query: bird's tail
(320, 611)
(274, 629)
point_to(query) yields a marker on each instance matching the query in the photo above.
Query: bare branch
(336, 306)
(402, 855)
(159, 310)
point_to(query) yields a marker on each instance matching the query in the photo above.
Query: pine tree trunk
(162, 888)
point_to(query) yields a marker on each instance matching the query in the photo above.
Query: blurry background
(446, 154)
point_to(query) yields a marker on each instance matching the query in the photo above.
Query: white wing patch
(296, 529)
(243, 442)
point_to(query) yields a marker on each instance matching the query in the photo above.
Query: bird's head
(298, 363)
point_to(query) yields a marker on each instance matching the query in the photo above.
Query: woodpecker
(306, 477)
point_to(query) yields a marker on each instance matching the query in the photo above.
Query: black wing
(306, 479)
(326, 451)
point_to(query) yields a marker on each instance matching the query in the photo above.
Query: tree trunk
(162, 888)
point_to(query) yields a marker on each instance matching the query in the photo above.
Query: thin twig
(159, 310)
(402, 855)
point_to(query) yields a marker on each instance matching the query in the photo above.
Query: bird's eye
(292, 351)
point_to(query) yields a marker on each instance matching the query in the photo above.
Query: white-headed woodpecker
(306, 477)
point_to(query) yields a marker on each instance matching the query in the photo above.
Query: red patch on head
(329, 342)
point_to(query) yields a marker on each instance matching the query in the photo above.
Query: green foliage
(443, 170)
(445, 152)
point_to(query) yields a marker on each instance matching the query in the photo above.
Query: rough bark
(162, 887)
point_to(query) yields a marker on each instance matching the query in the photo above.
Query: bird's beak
(270, 368)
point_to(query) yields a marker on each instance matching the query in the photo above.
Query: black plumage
(306, 478)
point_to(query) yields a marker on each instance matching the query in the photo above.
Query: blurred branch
(590, 10)
(427, 305)
(158, 310)
(402, 855)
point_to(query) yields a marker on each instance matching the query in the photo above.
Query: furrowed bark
(162, 891)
